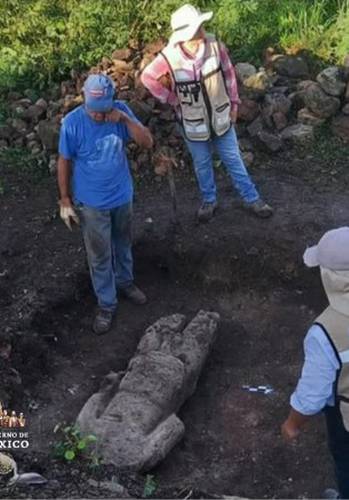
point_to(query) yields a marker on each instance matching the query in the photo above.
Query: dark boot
(259, 208)
(133, 294)
(206, 211)
(102, 322)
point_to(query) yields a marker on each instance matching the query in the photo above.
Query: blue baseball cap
(99, 92)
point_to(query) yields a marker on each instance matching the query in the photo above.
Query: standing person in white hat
(324, 383)
(195, 75)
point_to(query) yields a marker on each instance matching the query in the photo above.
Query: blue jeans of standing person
(228, 150)
(338, 440)
(108, 242)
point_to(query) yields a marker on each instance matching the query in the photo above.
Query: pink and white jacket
(192, 65)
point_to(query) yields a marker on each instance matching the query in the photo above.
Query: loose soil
(248, 270)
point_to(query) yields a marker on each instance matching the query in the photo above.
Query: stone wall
(280, 106)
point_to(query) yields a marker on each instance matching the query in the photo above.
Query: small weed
(20, 159)
(74, 446)
(150, 486)
(328, 146)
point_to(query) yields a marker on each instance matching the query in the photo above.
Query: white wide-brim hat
(185, 22)
(332, 251)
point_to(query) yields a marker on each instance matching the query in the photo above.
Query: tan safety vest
(336, 326)
(204, 102)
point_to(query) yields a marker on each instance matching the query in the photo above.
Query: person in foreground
(92, 155)
(324, 383)
(194, 74)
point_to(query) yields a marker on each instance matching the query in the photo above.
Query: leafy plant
(73, 445)
(150, 486)
(22, 160)
(41, 40)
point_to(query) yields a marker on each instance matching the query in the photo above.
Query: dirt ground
(248, 270)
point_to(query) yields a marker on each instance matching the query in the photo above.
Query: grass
(19, 159)
(41, 40)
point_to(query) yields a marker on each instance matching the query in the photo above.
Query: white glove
(66, 213)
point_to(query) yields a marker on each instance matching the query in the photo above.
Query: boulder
(121, 66)
(71, 101)
(19, 125)
(13, 96)
(42, 103)
(277, 103)
(52, 164)
(142, 110)
(298, 134)
(48, 131)
(289, 65)
(25, 102)
(154, 48)
(308, 118)
(247, 158)
(270, 142)
(6, 131)
(331, 81)
(34, 113)
(67, 88)
(133, 415)
(258, 84)
(319, 102)
(255, 127)
(248, 110)
(280, 120)
(345, 109)
(122, 54)
(340, 126)
(105, 63)
(245, 144)
(244, 71)
(32, 136)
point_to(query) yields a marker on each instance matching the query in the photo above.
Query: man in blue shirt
(324, 383)
(95, 182)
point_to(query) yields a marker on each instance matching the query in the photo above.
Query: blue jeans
(338, 440)
(228, 151)
(108, 241)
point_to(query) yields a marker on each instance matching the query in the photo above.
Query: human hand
(165, 81)
(67, 212)
(116, 116)
(289, 431)
(234, 114)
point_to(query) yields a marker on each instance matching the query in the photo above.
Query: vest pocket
(344, 409)
(195, 126)
(221, 118)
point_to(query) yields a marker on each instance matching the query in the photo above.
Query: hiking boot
(102, 322)
(330, 493)
(206, 211)
(134, 294)
(259, 208)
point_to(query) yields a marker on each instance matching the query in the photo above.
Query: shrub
(41, 40)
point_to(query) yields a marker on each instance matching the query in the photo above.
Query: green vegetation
(41, 40)
(150, 486)
(73, 446)
(20, 159)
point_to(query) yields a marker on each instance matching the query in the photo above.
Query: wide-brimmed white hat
(332, 251)
(186, 21)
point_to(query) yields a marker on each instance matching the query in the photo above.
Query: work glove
(67, 213)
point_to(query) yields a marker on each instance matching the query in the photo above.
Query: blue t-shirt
(101, 175)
